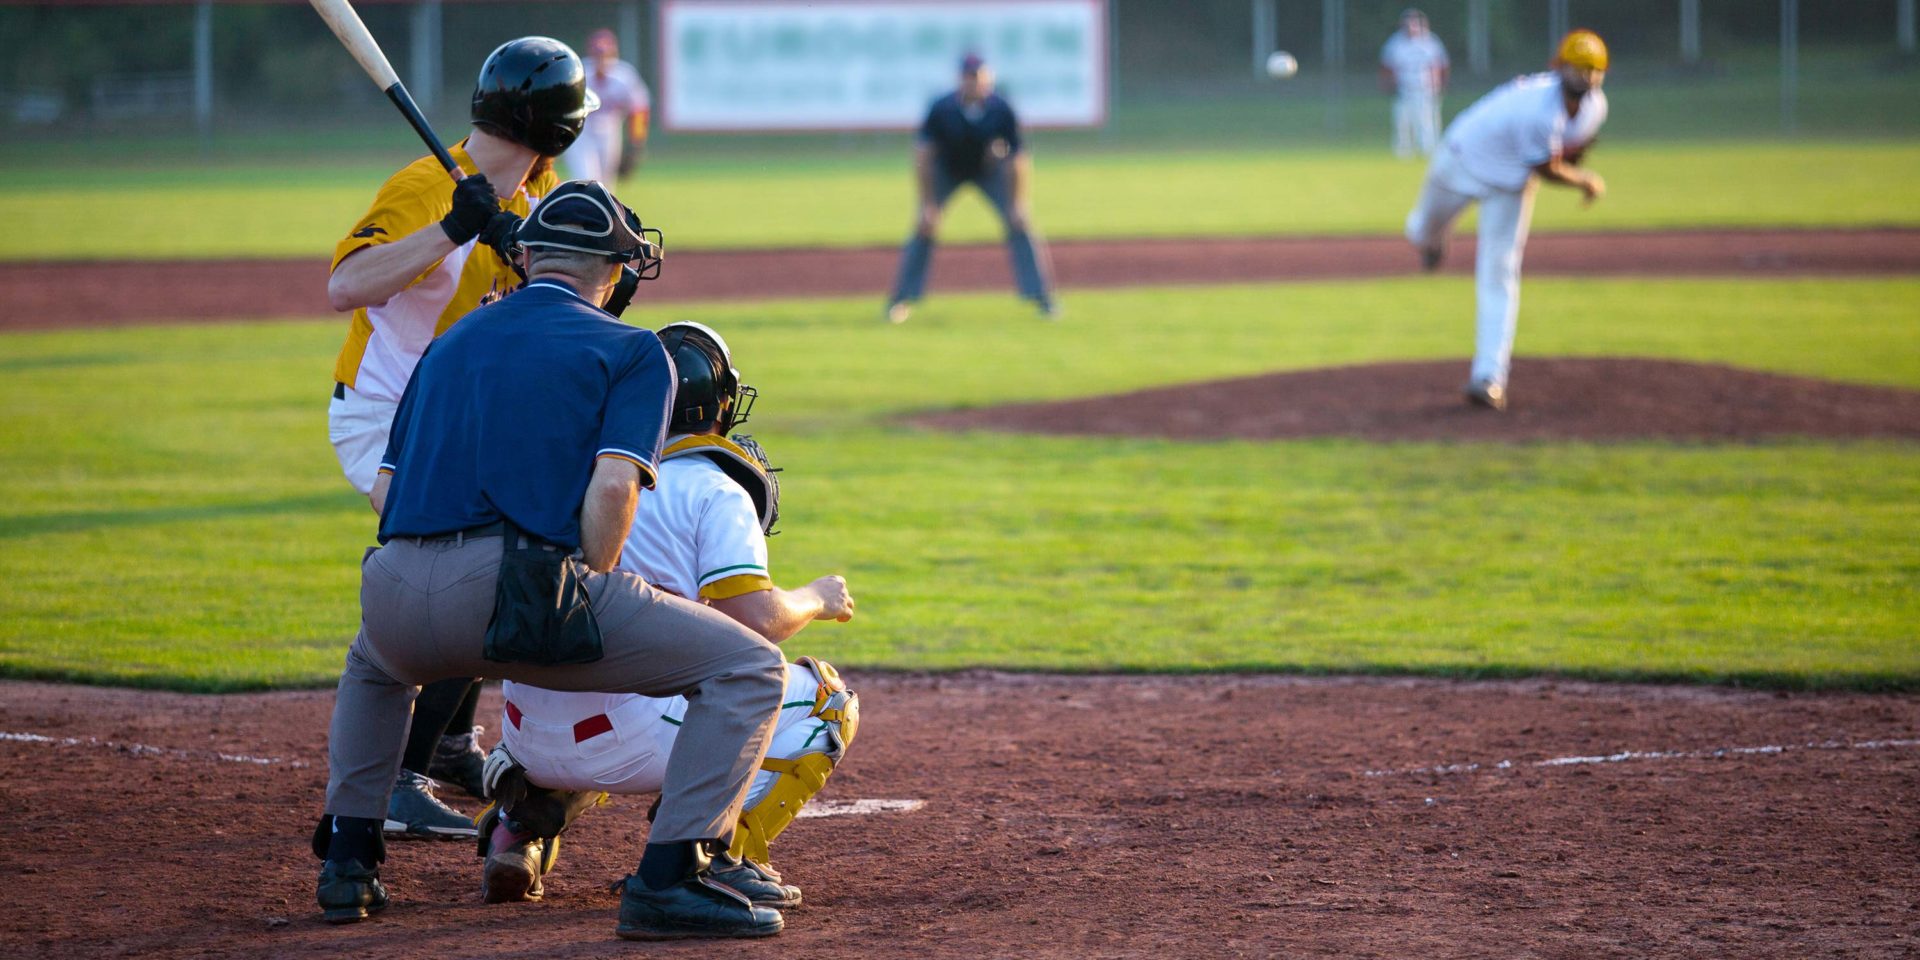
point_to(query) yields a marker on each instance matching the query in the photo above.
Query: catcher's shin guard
(799, 778)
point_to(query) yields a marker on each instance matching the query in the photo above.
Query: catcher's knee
(798, 779)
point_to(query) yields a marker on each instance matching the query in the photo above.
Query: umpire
(509, 484)
(972, 136)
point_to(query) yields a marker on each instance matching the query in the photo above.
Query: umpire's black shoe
(458, 760)
(348, 892)
(414, 813)
(698, 906)
(760, 884)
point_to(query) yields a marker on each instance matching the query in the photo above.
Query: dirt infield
(1553, 398)
(1064, 817)
(69, 294)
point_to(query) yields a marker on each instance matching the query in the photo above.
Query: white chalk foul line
(1625, 756)
(144, 750)
(844, 808)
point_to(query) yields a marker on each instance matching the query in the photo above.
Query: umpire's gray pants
(424, 607)
(1029, 256)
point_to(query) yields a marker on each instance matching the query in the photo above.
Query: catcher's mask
(710, 393)
(584, 217)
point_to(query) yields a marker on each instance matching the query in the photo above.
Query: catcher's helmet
(533, 91)
(710, 393)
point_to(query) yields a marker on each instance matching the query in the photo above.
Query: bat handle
(404, 101)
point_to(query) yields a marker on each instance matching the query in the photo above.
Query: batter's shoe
(458, 760)
(349, 892)
(414, 813)
(760, 884)
(898, 311)
(696, 907)
(1487, 393)
(515, 863)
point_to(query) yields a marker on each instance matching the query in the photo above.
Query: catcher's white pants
(632, 759)
(1416, 123)
(1505, 216)
(593, 157)
(358, 426)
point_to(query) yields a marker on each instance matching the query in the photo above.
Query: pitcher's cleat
(1487, 393)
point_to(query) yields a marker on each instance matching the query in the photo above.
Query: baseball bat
(346, 25)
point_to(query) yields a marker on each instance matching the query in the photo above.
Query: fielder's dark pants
(424, 608)
(1030, 273)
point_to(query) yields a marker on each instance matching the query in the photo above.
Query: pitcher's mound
(1551, 399)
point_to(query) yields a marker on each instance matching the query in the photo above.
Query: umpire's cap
(533, 91)
(584, 217)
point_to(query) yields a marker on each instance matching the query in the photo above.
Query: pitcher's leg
(370, 719)
(1503, 238)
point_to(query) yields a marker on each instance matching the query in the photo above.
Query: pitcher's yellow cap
(1584, 49)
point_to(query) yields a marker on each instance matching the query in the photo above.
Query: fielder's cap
(1583, 49)
(971, 63)
(583, 216)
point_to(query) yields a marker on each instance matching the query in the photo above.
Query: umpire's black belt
(498, 528)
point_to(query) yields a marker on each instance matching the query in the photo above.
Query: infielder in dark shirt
(972, 136)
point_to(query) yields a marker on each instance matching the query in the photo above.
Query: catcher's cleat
(1487, 393)
(458, 760)
(515, 862)
(349, 892)
(414, 813)
(1430, 257)
(760, 884)
(898, 311)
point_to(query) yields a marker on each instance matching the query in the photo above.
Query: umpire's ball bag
(541, 611)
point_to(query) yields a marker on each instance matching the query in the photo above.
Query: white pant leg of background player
(358, 426)
(586, 159)
(1403, 121)
(1427, 124)
(1504, 219)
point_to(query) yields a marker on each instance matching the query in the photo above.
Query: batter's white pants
(632, 758)
(1416, 123)
(358, 426)
(1504, 218)
(593, 157)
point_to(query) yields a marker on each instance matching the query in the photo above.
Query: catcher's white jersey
(696, 534)
(1520, 125)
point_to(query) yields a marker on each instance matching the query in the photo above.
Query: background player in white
(610, 145)
(700, 533)
(1537, 124)
(1413, 66)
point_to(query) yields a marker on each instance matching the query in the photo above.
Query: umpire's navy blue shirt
(962, 137)
(508, 412)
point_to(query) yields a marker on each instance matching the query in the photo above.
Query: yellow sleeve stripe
(647, 476)
(730, 587)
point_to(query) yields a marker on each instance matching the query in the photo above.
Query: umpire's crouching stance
(508, 486)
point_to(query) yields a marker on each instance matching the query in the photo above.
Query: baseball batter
(610, 144)
(1533, 126)
(418, 260)
(1414, 66)
(700, 533)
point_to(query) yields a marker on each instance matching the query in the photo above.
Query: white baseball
(1281, 65)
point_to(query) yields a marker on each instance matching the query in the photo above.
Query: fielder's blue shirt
(963, 138)
(509, 410)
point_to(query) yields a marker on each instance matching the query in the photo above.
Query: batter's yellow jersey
(386, 340)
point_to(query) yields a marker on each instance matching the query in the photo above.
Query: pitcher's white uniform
(595, 154)
(1488, 156)
(697, 534)
(1416, 63)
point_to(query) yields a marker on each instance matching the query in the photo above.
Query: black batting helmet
(710, 393)
(533, 91)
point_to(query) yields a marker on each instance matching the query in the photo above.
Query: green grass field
(173, 516)
(864, 198)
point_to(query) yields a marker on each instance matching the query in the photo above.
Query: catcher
(701, 532)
